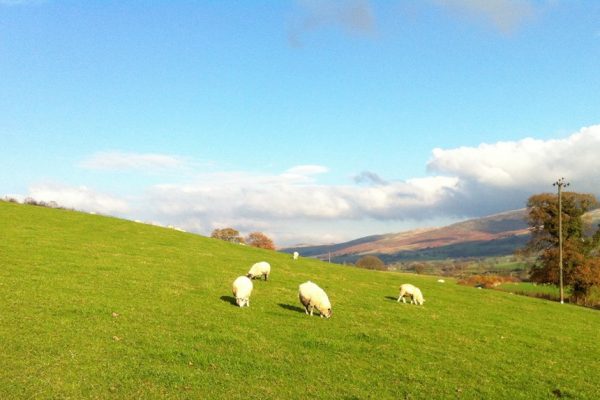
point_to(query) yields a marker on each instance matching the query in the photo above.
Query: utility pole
(560, 184)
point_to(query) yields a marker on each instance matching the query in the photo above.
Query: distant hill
(494, 235)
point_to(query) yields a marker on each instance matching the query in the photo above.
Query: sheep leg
(311, 310)
(402, 293)
(304, 302)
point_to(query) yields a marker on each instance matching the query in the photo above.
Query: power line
(560, 184)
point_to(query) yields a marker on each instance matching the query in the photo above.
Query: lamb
(312, 296)
(296, 255)
(242, 288)
(413, 291)
(259, 269)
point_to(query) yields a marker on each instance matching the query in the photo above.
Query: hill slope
(95, 307)
(495, 235)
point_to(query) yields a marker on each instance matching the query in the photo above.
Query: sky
(311, 121)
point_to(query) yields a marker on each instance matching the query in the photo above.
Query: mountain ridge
(507, 229)
(489, 236)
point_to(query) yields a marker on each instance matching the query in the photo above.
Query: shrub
(486, 281)
(371, 262)
(260, 240)
(227, 234)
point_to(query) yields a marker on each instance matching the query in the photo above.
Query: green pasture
(100, 308)
(531, 289)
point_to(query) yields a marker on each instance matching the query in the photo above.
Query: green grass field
(550, 292)
(177, 334)
(530, 289)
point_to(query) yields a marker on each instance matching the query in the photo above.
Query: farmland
(97, 307)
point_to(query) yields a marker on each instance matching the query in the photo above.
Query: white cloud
(502, 175)
(80, 198)
(293, 206)
(467, 181)
(277, 203)
(303, 173)
(306, 170)
(119, 161)
(524, 163)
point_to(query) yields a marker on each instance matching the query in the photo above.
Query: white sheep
(242, 288)
(413, 291)
(259, 269)
(296, 255)
(312, 296)
(441, 281)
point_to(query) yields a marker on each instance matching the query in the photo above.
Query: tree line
(254, 239)
(581, 261)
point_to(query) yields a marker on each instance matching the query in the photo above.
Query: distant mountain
(495, 235)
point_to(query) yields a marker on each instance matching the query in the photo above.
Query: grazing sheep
(312, 296)
(413, 291)
(441, 281)
(242, 288)
(296, 255)
(259, 269)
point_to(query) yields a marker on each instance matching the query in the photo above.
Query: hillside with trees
(581, 264)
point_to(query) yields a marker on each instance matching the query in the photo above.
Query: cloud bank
(504, 174)
(80, 198)
(293, 205)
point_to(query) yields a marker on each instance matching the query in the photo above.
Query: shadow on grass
(229, 299)
(391, 298)
(292, 308)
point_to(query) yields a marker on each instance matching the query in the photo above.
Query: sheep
(259, 269)
(413, 291)
(242, 288)
(296, 255)
(312, 296)
(441, 281)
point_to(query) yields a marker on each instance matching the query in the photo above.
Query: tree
(370, 262)
(581, 270)
(228, 235)
(420, 267)
(260, 240)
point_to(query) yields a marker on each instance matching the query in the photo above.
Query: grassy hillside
(175, 333)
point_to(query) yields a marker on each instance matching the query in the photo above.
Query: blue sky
(311, 121)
